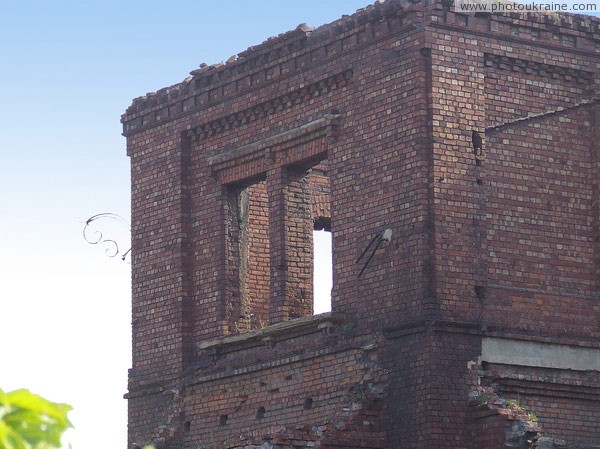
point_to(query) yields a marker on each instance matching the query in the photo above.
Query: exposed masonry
(264, 109)
(455, 160)
(542, 115)
(565, 74)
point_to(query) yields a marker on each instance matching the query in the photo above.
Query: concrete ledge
(543, 355)
(309, 324)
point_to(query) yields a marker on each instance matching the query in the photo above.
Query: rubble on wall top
(271, 42)
(290, 42)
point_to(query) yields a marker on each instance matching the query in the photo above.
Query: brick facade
(363, 127)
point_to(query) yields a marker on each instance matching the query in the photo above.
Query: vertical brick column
(160, 260)
(458, 109)
(299, 245)
(161, 309)
(290, 236)
(256, 277)
(595, 148)
(458, 198)
(276, 180)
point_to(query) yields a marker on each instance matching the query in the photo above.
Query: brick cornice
(483, 329)
(265, 108)
(294, 51)
(563, 73)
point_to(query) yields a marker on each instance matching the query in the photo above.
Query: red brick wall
(320, 196)
(539, 207)
(260, 398)
(257, 281)
(365, 123)
(564, 403)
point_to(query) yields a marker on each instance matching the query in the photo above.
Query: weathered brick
(363, 127)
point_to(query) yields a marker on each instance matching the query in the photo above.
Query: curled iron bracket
(96, 237)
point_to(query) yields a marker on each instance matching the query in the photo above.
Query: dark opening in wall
(479, 292)
(248, 255)
(319, 193)
(278, 267)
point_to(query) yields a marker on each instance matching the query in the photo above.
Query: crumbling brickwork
(458, 274)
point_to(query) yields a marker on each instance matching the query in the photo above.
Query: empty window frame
(248, 276)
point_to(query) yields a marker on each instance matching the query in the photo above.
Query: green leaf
(28, 421)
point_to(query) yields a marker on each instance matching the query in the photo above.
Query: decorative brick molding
(563, 73)
(293, 98)
(227, 164)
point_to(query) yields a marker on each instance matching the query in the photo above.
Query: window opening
(248, 253)
(323, 271)
(308, 239)
(322, 239)
(274, 276)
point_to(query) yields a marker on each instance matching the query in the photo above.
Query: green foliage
(28, 421)
(482, 399)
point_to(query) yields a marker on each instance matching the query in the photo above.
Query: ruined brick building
(465, 281)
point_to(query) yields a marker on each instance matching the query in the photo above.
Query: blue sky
(69, 70)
